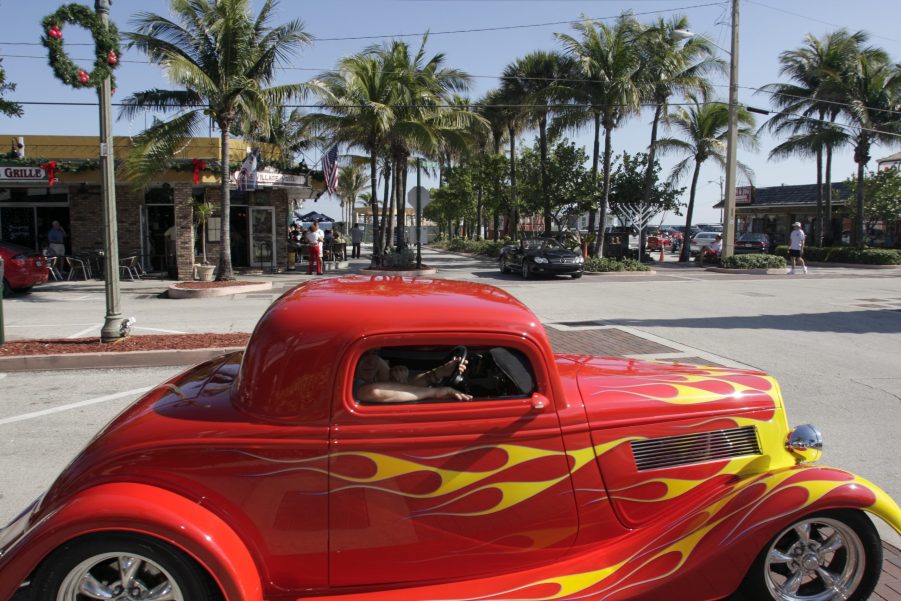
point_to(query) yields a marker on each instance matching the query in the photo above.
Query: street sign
(423, 198)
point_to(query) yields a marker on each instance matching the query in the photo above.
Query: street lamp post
(732, 142)
(112, 326)
(722, 199)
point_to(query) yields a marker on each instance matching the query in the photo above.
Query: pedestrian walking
(796, 247)
(356, 239)
(56, 238)
(314, 240)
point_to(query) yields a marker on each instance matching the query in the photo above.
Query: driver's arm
(395, 392)
(440, 373)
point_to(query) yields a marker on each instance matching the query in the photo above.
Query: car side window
(435, 374)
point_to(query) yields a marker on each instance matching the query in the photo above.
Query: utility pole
(112, 326)
(732, 142)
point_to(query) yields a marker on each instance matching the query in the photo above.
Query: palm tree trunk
(388, 209)
(592, 210)
(479, 228)
(649, 172)
(400, 204)
(225, 238)
(386, 225)
(827, 238)
(374, 205)
(545, 194)
(513, 213)
(818, 224)
(608, 157)
(685, 253)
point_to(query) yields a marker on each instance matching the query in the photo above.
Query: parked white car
(701, 240)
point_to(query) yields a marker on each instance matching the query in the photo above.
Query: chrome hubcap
(820, 559)
(119, 577)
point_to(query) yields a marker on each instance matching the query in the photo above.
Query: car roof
(306, 331)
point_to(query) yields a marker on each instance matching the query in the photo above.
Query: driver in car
(377, 382)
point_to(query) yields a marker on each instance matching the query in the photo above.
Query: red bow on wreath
(50, 168)
(198, 165)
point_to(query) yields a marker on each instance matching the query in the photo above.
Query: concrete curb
(399, 272)
(175, 292)
(851, 265)
(619, 273)
(777, 271)
(163, 358)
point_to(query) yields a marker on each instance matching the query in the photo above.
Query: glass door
(158, 225)
(262, 237)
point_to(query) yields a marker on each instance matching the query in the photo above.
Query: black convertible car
(541, 256)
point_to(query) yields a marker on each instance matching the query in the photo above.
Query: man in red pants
(314, 240)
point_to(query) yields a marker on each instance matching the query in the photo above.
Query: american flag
(330, 169)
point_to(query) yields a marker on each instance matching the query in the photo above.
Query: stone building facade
(155, 224)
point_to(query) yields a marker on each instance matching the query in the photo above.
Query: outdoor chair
(53, 269)
(130, 266)
(78, 265)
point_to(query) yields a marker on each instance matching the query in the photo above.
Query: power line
(459, 31)
(807, 17)
(503, 77)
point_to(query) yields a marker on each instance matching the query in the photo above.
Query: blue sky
(768, 27)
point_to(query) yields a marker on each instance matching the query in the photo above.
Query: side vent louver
(671, 451)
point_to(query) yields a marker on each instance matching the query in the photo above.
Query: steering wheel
(458, 354)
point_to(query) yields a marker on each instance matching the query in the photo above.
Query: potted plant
(202, 213)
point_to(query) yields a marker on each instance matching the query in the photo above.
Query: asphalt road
(833, 339)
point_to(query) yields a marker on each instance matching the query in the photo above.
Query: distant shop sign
(743, 195)
(22, 174)
(269, 179)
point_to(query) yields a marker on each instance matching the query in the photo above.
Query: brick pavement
(594, 339)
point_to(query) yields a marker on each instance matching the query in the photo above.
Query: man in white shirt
(314, 240)
(796, 247)
(356, 239)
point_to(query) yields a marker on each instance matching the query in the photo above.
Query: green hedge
(476, 247)
(605, 264)
(753, 261)
(847, 254)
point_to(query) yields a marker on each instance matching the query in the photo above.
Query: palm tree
(807, 138)
(611, 91)
(539, 80)
(286, 136)
(704, 126)
(873, 92)
(357, 98)
(427, 118)
(506, 108)
(670, 67)
(226, 62)
(813, 68)
(351, 184)
(495, 116)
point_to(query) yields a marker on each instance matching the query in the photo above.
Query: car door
(446, 490)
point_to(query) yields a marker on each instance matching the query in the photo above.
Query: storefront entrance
(26, 215)
(253, 237)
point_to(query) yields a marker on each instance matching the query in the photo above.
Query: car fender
(143, 509)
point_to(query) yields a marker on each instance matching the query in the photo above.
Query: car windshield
(752, 237)
(541, 243)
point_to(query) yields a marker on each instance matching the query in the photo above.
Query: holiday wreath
(106, 46)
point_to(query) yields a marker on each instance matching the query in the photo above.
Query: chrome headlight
(579, 259)
(540, 260)
(805, 442)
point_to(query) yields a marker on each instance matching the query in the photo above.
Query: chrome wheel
(817, 559)
(119, 577)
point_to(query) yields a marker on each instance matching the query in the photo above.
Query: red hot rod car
(539, 476)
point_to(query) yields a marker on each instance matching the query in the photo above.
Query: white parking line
(61, 408)
(49, 325)
(159, 330)
(85, 331)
